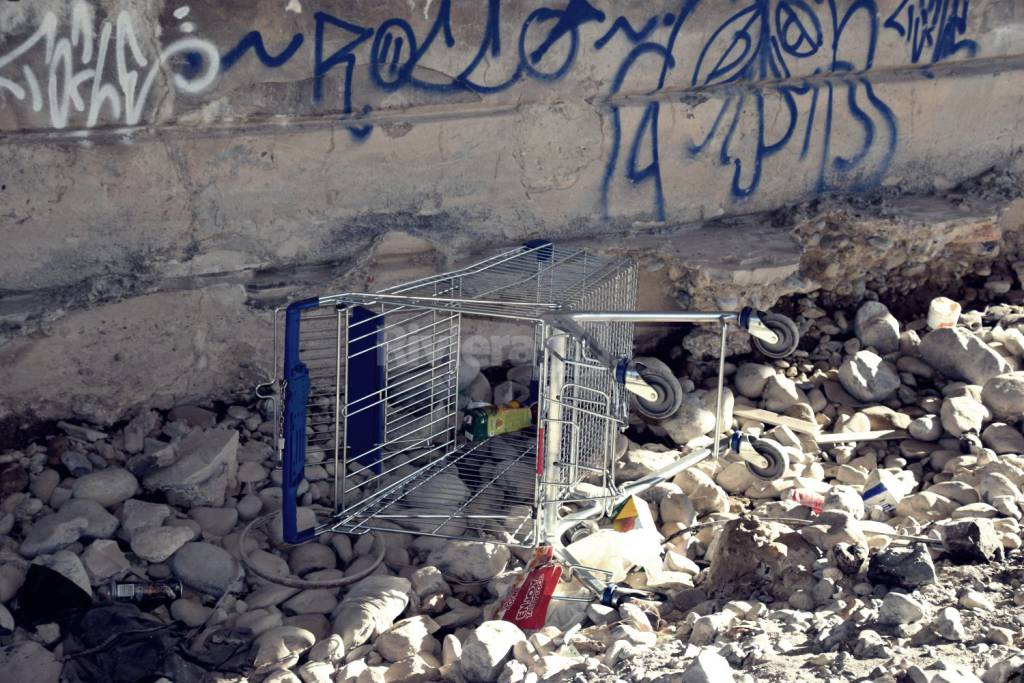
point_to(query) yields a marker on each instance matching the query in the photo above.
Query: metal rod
(649, 316)
(337, 409)
(721, 384)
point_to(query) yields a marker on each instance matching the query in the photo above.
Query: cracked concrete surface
(254, 188)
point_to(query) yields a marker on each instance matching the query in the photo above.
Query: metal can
(142, 592)
(483, 422)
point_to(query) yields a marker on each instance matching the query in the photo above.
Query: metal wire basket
(370, 393)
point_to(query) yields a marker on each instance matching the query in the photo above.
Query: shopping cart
(370, 392)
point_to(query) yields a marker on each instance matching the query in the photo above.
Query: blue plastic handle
(296, 393)
(544, 248)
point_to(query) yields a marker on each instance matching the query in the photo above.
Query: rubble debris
(908, 554)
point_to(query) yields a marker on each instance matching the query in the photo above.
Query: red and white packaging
(526, 604)
(808, 498)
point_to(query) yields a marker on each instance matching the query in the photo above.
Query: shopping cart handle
(296, 393)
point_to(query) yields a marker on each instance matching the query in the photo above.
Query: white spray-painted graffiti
(82, 77)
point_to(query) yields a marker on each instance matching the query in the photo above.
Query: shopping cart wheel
(778, 461)
(661, 379)
(787, 332)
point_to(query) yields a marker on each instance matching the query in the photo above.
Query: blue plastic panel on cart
(364, 423)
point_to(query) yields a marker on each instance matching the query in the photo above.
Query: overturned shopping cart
(370, 392)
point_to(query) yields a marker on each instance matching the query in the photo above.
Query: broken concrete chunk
(201, 475)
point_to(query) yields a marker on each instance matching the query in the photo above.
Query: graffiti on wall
(785, 75)
(78, 69)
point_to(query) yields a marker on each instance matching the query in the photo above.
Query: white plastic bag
(618, 552)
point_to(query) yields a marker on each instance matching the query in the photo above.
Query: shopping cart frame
(572, 344)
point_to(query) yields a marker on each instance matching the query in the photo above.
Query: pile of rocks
(752, 583)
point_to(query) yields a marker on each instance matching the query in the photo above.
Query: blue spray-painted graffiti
(756, 44)
(786, 73)
(935, 24)
(395, 52)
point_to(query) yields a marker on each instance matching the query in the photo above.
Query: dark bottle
(142, 593)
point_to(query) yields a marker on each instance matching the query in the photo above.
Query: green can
(483, 422)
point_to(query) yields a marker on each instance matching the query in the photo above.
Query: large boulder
(107, 487)
(876, 327)
(751, 379)
(972, 540)
(1004, 395)
(867, 377)
(961, 355)
(902, 567)
(747, 557)
(962, 414)
(693, 419)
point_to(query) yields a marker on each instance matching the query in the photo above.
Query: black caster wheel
(787, 332)
(661, 379)
(778, 461)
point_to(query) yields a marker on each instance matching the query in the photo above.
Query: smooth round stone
(215, 521)
(269, 563)
(983, 510)
(259, 621)
(205, 567)
(188, 523)
(332, 650)
(310, 557)
(249, 507)
(251, 473)
(912, 449)
(926, 428)
(107, 487)
(239, 412)
(312, 601)
(159, 543)
(317, 624)
(159, 571)
(191, 612)
(44, 483)
(281, 647)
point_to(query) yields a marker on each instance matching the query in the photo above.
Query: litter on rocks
(868, 559)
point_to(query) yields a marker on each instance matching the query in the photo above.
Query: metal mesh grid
(521, 284)
(482, 489)
(419, 354)
(591, 403)
(321, 349)
(419, 478)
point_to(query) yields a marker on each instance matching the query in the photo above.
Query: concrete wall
(169, 171)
